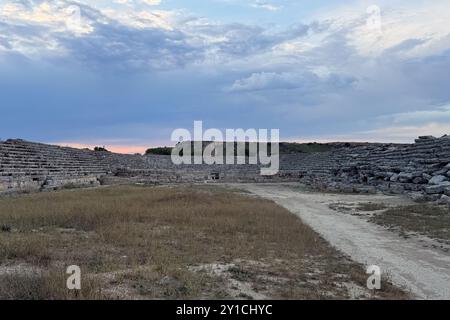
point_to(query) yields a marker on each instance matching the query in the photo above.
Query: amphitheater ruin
(421, 170)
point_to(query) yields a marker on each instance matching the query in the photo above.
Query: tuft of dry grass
(371, 206)
(32, 248)
(49, 285)
(141, 242)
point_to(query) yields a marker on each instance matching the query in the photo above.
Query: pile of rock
(422, 170)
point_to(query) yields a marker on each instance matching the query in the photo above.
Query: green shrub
(166, 151)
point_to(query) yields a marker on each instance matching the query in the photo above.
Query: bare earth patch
(168, 243)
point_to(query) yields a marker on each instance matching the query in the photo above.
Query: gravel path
(423, 271)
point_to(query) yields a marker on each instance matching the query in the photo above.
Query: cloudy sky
(125, 73)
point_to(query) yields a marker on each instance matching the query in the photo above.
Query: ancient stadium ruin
(334, 209)
(421, 170)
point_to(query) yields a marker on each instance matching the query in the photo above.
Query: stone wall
(26, 166)
(421, 170)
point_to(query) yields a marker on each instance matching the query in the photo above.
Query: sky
(125, 73)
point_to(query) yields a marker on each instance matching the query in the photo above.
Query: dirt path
(424, 271)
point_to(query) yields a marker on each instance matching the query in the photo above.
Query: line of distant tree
(285, 148)
(163, 151)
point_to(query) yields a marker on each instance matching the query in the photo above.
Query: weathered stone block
(421, 138)
(367, 189)
(417, 174)
(433, 197)
(440, 172)
(444, 200)
(405, 177)
(417, 197)
(394, 178)
(447, 191)
(436, 189)
(383, 174)
(436, 180)
(420, 180)
(396, 189)
(3, 186)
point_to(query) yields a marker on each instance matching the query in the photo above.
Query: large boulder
(433, 197)
(447, 191)
(417, 197)
(396, 189)
(416, 174)
(444, 200)
(405, 177)
(420, 180)
(366, 189)
(394, 178)
(436, 189)
(383, 174)
(413, 187)
(440, 172)
(437, 180)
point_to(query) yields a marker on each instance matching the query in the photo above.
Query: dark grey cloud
(119, 80)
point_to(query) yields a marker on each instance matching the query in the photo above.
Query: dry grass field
(188, 242)
(424, 219)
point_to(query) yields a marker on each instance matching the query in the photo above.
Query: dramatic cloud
(130, 71)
